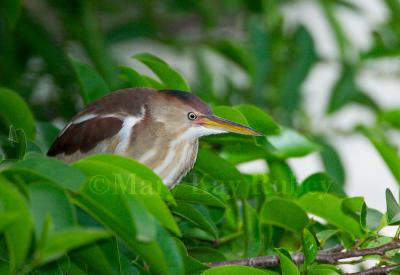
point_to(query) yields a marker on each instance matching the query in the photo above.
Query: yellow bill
(214, 122)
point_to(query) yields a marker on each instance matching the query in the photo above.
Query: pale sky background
(367, 175)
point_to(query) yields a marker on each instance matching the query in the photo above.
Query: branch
(332, 256)
(377, 270)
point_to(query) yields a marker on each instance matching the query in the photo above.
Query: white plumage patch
(178, 166)
(126, 131)
(148, 155)
(170, 156)
(196, 132)
(84, 118)
(204, 131)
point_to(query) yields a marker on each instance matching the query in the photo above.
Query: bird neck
(170, 154)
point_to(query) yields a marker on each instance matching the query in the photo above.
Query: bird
(159, 128)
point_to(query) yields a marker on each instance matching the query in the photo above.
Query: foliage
(106, 214)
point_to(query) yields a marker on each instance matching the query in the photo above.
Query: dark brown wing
(85, 136)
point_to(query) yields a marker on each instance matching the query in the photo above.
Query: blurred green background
(316, 66)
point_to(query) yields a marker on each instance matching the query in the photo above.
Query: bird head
(186, 113)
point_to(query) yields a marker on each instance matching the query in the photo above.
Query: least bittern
(158, 128)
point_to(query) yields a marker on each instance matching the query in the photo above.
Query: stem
(377, 270)
(332, 256)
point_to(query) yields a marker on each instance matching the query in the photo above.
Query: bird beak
(217, 123)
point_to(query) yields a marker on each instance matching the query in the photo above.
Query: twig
(377, 270)
(332, 256)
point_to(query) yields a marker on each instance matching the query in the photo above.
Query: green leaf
(328, 207)
(356, 206)
(344, 90)
(319, 182)
(231, 113)
(154, 83)
(374, 219)
(47, 133)
(144, 223)
(98, 193)
(192, 194)
(393, 7)
(103, 190)
(36, 167)
(238, 152)
(210, 164)
(207, 254)
(325, 235)
(347, 240)
(132, 77)
(92, 85)
(392, 209)
(258, 119)
(385, 149)
(92, 259)
(6, 219)
(128, 185)
(140, 170)
(392, 117)
(324, 269)
(289, 143)
(190, 230)
(284, 213)
(161, 254)
(287, 265)
(192, 265)
(103, 258)
(10, 9)
(235, 52)
(260, 51)
(282, 176)
(367, 101)
(204, 77)
(332, 162)
(197, 216)
(18, 234)
(310, 247)
(235, 270)
(252, 228)
(342, 41)
(302, 57)
(16, 113)
(62, 266)
(353, 204)
(61, 242)
(170, 253)
(16, 145)
(48, 199)
(171, 78)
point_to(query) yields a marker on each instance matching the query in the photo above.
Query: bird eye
(192, 116)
